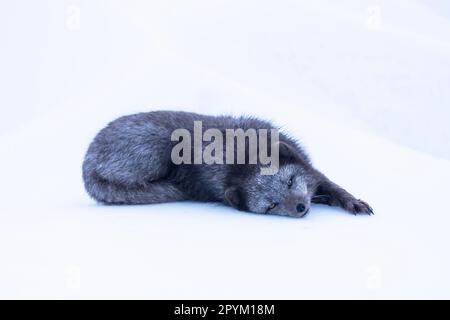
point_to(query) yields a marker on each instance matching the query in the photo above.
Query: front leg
(331, 194)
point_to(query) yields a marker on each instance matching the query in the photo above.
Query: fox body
(129, 162)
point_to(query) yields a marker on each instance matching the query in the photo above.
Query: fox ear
(235, 198)
(287, 151)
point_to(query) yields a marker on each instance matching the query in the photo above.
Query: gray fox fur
(129, 162)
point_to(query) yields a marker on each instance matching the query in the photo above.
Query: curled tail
(108, 192)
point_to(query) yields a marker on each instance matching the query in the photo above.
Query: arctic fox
(131, 161)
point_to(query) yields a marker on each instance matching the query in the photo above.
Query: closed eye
(272, 206)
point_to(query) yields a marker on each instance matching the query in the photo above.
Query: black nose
(301, 208)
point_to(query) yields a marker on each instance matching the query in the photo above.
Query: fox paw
(356, 206)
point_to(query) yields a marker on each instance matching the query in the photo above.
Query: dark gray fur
(129, 163)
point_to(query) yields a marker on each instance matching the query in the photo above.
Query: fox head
(288, 192)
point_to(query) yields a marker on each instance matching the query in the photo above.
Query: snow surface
(62, 82)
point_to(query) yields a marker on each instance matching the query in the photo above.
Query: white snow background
(365, 85)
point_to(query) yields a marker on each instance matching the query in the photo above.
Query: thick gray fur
(129, 162)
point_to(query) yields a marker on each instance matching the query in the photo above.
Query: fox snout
(302, 209)
(298, 206)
